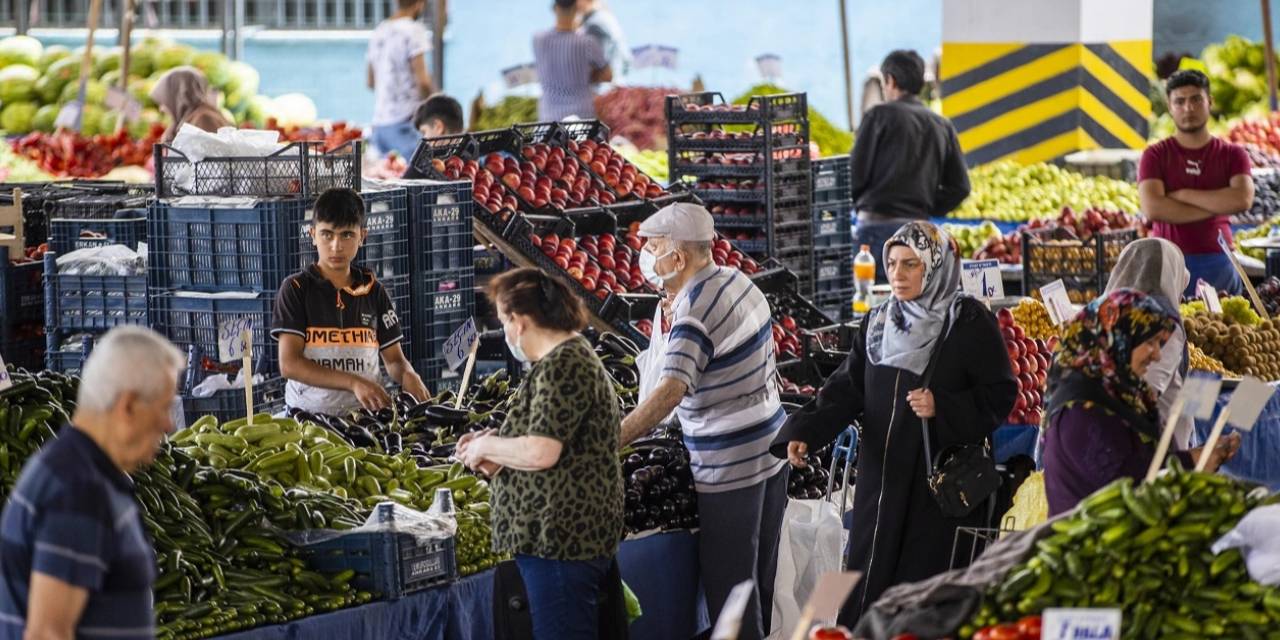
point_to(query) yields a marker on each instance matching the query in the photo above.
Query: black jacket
(907, 162)
(899, 533)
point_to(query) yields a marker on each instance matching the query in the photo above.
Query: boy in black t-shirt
(333, 321)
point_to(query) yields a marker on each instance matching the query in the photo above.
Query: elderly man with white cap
(717, 373)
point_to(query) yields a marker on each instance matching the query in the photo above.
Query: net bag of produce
(1256, 538)
(1030, 506)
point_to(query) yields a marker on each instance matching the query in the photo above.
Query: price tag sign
(231, 346)
(1080, 624)
(120, 100)
(770, 66)
(1247, 402)
(520, 75)
(735, 607)
(459, 344)
(68, 116)
(1209, 294)
(1200, 393)
(981, 279)
(1056, 301)
(5, 380)
(655, 55)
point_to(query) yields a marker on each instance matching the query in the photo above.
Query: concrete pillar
(1035, 80)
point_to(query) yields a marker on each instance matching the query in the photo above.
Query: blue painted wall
(1186, 26)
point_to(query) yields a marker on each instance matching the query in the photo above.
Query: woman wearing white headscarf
(899, 532)
(183, 94)
(1156, 267)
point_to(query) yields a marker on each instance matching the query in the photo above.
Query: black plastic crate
(65, 352)
(298, 170)
(837, 305)
(444, 300)
(709, 137)
(128, 228)
(781, 286)
(74, 302)
(832, 270)
(1085, 265)
(25, 351)
(832, 179)
(192, 321)
(228, 404)
(442, 235)
(400, 290)
(390, 563)
(96, 206)
(21, 291)
(224, 249)
(831, 227)
(560, 133)
(467, 146)
(692, 107)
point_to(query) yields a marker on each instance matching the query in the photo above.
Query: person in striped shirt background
(718, 373)
(568, 62)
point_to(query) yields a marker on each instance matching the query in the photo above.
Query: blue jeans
(874, 235)
(564, 596)
(402, 138)
(1215, 269)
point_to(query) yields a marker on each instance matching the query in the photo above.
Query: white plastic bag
(649, 362)
(1256, 538)
(810, 545)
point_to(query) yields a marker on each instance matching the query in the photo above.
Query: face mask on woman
(515, 348)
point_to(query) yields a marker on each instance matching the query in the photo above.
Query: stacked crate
(442, 254)
(750, 165)
(833, 248)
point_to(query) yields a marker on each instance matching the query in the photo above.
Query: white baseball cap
(682, 222)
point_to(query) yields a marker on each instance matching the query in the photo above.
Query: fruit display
(1249, 349)
(1028, 628)
(650, 162)
(1010, 192)
(1261, 134)
(509, 111)
(546, 177)
(1237, 76)
(1269, 292)
(1029, 358)
(1034, 319)
(636, 114)
(1262, 230)
(658, 486)
(1261, 158)
(1146, 550)
(598, 262)
(1198, 360)
(67, 154)
(623, 177)
(334, 134)
(1006, 248)
(1266, 199)
(831, 139)
(15, 167)
(390, 167)
(971, 238)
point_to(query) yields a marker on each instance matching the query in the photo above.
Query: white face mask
(648, 268)
(516, 350)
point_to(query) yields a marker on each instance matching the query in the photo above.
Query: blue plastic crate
(390, 563)
(75, 302)
(832, 270)
(27, 351)
(224, 249)
(66, 235)
(192, 321)
(268, 397)
(832, 179)
(442, 218)
(831, 226)
(65, 352)
(386, 248)
(443, 302)
(838, 305)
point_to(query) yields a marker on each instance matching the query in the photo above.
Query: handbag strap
(924, 384)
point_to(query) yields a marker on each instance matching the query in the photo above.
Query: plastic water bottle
(864, 276)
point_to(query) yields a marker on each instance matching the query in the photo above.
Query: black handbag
(963, 476)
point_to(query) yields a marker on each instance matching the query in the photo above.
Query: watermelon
(45, 118)
(17, 118)
(173, 55)
(215, 67)
(18, 83)
(23, 50)
(51, 55)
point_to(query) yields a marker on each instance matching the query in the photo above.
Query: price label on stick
(231, 345)
(1200, 394)
(520, 75)
(1074, 624)
(5, 380)
(735, 607)
(120, 100)
(655, 55)
(1209, 295)
(458, 346)
(1056, 301)
(69, 116)
(769, 65)
(1247, 402)
(981, 279)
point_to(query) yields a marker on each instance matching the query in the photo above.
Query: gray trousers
(737, 541)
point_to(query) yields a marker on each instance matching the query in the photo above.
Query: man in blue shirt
(75, 559)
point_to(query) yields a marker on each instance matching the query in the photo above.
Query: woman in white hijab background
(1155, 267)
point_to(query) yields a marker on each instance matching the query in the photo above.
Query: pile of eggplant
(810, 481)
(659, 486)
(618, 354)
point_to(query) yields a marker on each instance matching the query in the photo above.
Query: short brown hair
(545, 299)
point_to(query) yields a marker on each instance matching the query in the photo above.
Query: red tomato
(906, 636)
(1006, 632)
(1029, 627)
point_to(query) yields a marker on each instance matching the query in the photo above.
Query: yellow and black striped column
(1036, 101)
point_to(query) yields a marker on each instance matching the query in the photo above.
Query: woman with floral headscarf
(1102, 420)
(899, 533)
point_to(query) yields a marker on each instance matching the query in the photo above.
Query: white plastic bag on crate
(108, 260)
(650, 361)
(392, 517)
(229, 142)
(810, 545)
(1255, 536)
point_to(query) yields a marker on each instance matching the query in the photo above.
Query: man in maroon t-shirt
(1192, 183)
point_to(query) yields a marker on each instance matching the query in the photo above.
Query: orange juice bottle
(864, 275)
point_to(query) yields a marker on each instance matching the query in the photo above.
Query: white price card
(120, 100)
(981, 279)
(1080, 624)
(68, 116)
(655, 55)
(459, 344)
(831, 592)
(735, 607)
(769, 65)
(1247, 402)
(1200, 394)
(5, 380)
(231, 346)
(1056, 301)
(520, 75)
(1209, 294)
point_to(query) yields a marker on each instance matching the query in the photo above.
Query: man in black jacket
(907, 163)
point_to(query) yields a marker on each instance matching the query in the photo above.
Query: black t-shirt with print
(343, 330)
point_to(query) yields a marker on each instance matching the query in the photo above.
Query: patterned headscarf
(902, 333)
(183, 91)
(1099, 343)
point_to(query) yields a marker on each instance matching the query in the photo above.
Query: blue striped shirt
(564, 61)
(721, 346)
(73, 516)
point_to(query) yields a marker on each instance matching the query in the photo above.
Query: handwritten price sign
(5, 380)
(231, 346)
(458, 346)
(981, 279)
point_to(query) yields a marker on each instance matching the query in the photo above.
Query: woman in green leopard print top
(556, 479)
